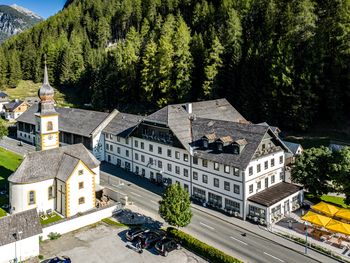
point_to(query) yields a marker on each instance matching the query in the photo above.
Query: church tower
(46, 128)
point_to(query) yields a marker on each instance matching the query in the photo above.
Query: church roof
(26, 223)
(66, 167)
(71, 120)
(45, 165)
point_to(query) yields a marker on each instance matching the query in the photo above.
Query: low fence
(73, 223)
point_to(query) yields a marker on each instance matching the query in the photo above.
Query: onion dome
(46, 92)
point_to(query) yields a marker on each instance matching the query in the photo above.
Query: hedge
(208, 252)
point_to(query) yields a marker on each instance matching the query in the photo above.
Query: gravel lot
(104, 243)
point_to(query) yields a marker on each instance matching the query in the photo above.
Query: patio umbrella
(316, 219)
(339, 227)
(343, 213)
(325, 208)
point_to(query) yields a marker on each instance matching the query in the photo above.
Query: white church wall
(97, 175)
(24, 249)
(74, 192)
(19, 196)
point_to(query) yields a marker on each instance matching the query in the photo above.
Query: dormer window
(219, 146)
(235, 149)
(205, 143)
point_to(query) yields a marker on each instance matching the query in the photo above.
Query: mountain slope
(284, 62)
(15, 19)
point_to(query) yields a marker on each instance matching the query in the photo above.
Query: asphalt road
(12, 145)
(210, 229)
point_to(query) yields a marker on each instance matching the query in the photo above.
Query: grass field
(336, 200)
(52, 219)
(8, 164)
(27, 88)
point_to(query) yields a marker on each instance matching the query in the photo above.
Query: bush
(210, 253)
(41, 257)
(54, 235)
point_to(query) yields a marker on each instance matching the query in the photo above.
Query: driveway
(103, 243)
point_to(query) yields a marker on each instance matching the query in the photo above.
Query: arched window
(81, 200)
(49, 126)
(31, 198)
(50, 192)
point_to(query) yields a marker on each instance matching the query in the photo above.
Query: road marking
(136, 194)
(212, 228)
(273, 257)
(240, 241)
(154, 202)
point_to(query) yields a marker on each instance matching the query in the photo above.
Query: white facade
(218, 185)
(20, 199)
(80, 189)
(12, 115)
(23, 249)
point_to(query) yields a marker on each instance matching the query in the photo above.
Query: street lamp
(16, 235)
(306, 233)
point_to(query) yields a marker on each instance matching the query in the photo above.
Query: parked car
(166, 245)
(132, 233)
(150, 238)
(62, 259)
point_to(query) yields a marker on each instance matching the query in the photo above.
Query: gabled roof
(293, 147)
(45, 165)
(76, 121)
(27, 223)
(123, 124)
(251, 133)
(66, 167)
(13, 105)
(3, 94)
(178, 120)
(274, 194)
(219, 109)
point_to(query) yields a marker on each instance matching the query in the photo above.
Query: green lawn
(2, 212)
(9, 162)
(26, 88)
(51, 219)
(335, 200)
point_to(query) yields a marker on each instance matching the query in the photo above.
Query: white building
(19, 237)
(54, 178)
(14, 109)
(222, 159)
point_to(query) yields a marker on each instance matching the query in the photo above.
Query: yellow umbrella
(343, 213)
(329, 210)
(339, 227)
(316, 219)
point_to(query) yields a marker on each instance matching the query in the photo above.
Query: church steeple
(46, 94)
(47, 134)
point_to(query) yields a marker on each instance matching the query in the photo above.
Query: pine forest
(281, 61)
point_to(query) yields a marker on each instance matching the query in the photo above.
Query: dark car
(62, 259)
(166, 245)
(149, 239)
(132, 233)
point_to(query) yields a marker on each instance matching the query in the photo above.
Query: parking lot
(103, 243)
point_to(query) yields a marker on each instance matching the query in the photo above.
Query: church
(54, 178)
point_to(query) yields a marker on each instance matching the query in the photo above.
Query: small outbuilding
(19, 238)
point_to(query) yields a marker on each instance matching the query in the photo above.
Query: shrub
(210, 253)
(54, 235)
(41, 257)
(40, 239)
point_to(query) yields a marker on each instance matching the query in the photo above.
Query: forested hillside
(283, 61)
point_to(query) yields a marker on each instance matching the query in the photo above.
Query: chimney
(189, 108)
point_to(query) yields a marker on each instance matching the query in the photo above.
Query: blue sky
(44, 8)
